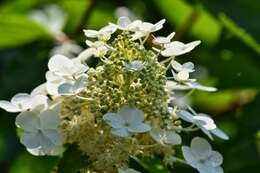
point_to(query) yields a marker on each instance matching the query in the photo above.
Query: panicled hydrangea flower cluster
(119, 108)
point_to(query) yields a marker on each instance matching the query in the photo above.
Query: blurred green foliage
(228, 57)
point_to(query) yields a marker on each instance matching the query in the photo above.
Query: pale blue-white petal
(172, 138)
(54, 136)
(8, 106)
(22, 100)
(215, 158)
(185, 115)
(114, 120)
(122, 132)
(131, 115)
(49, 119)
(30, 139)
(189, 156)
(139, 128)
(219, 133)
(28, 121)
(200, 148)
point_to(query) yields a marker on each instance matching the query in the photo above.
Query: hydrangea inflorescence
(120, 108)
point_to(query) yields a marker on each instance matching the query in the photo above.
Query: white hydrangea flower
(133, 66)
(204, 122)
(127, 170)
(181, 72)
(22, 102)
(75, 87)
(201, 156)
(62, 70)
(103, 34)
(40, 131)
(177, 48)
(163, 40)
(165, 136)
(145, 28)
(97, 48)
(127, 121)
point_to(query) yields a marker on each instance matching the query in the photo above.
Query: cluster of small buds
(120, 108)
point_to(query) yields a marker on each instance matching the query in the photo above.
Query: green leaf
(17, 29)
(26, 163)
(72, 161)
(196, 20)
(240, 33)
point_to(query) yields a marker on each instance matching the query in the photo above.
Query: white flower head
(201, 156)
(127, 170)
(165, 136)
(127, 121)
(177, 48)
(40, 131)
(103, 34)
(133, 66)
(204, 122)
(163, 40)
(22, 102)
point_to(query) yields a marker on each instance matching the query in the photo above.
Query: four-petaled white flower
(145, 28)
(22, 102)
(181, 72)
(204, 122)
(133, 66)
(97, 48)
(103, 34)
(127, 170)
(41, 135)
(177, 48)
(127, 121)
(62, 70)
(163, 40)
(201, 156)
(165, 136)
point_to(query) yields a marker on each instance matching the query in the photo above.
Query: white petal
(49, 119)
(123, 21)
(8, 106)
(131, 115)
(45, 142)
(205, 122)
(189, 66)
(176, 66)
(200, 148)
(159, 24)
(114, 120)
(65, 89)
(30, 139)
(182, 75)
(189, 157)
(91, 33)
(139, 128)
(122, 132)
(39, 90)
(200, 87)
(41, 151)
(219, 133)
(186, 116)
(22, 100)
(28, 121)
(138, 34)
(215, 158)
(60, 64)
(172, 138)
(54, 136)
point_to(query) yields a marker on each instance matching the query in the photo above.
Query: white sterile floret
(127, 170)
(63, 70)
(177, 48)
(201, 156)
(103, 34)
(124, 23)
(181, 72)
(22, 102)
(40, 131)
(133, 66)
(97, 48)
(204, 122)
(145, 28)
(165, 136)
(74, 87)
(127, 121)
(163, 40)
